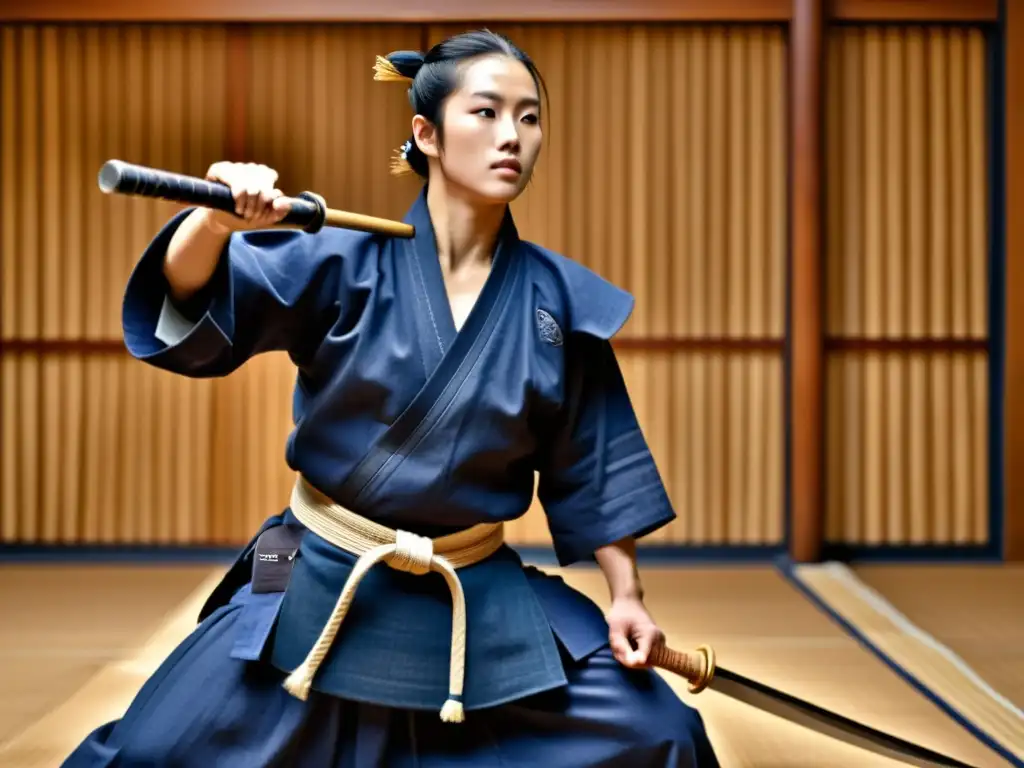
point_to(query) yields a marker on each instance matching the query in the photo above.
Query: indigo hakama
(419, 426)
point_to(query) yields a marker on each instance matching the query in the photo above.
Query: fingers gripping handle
(308, 210)
(698, 668)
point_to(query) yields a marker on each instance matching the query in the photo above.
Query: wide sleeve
(598, 482)
(272, 290)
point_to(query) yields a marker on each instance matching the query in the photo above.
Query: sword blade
(804, 713)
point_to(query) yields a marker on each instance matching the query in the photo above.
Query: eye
(484, 112)
(531, 119)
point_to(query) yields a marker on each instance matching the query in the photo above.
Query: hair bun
(398, 66)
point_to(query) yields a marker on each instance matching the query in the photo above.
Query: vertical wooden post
(806, 393)
(1013, 455)
(224, 505)
(236, 93)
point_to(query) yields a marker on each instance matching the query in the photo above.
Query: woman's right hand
(258, 202)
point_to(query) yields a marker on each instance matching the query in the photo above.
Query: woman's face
(492, 130)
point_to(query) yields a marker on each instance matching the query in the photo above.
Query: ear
(425, 135)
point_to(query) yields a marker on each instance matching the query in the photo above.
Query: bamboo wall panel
(908, 192)
(907, 448)
(73, 97)
(714, 424)
(251, 424)
(97, 449)
(907, 258)
(100, 449)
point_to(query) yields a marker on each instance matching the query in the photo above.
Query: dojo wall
(666, 170)
(907, 294)
(98, 448)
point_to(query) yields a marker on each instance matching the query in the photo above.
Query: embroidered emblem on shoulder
(548, 328)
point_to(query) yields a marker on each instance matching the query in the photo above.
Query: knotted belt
(374, 543)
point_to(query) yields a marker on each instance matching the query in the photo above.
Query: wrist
(618, 562)
(215, 222)
(634, 593)
(627, 587)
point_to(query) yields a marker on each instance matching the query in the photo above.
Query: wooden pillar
(237, 87)
(1013, 470)
(806, 392)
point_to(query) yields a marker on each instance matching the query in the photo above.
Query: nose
(508, 135)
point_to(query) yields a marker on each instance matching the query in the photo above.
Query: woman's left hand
(629, 625)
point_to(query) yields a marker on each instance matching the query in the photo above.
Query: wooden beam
(1013, 423)
(634, 344)
(62, 347)
(699, 344)
(409, 11)
(904, 345)
(964, 11)
(806, 395)
(527, 11)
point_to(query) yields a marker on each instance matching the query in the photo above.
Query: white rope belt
(374, 543)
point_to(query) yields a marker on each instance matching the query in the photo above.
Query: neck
(466, 231)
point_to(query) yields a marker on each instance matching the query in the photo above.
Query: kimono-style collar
(432, 279)
(426, 239)
(448, 356)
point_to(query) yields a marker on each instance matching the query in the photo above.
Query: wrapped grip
(308, 210)
(697, 668)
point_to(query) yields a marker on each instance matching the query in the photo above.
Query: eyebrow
(528, 101)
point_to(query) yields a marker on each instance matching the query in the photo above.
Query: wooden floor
(63, 624)
(976, 610)
(77, 642)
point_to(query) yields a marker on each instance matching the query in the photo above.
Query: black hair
(435, 75)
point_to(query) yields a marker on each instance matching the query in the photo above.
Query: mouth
(509, 164)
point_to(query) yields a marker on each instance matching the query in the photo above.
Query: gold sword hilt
(698, 667)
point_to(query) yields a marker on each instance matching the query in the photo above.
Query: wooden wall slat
(907, 266)
(907, 449)
(908, 248)
(9, 453)
(102, 449)
(77, 471)
(77, 97)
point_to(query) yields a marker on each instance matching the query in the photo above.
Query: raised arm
(212, 290)
(199, 241)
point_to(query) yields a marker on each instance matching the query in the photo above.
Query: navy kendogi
(409, 422)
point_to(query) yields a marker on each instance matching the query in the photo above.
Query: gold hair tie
(385, 71)
(400, 161)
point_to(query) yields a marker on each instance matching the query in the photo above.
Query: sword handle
(698, 668)
(308, 211)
